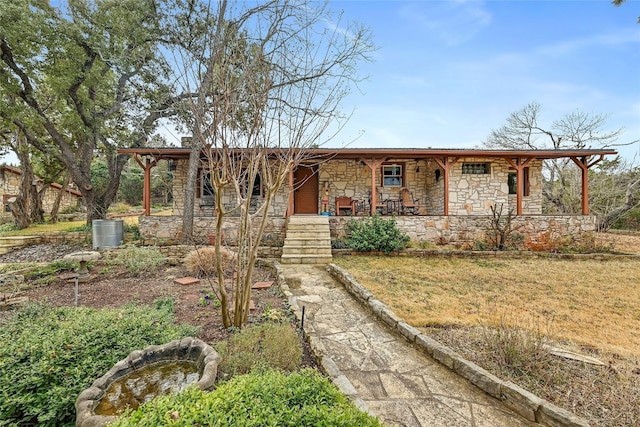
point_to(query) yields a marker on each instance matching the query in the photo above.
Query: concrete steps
(10, 243)
(308, 240)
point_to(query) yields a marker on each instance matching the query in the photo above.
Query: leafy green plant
(132, 229)
(269, 345)
(268, 398)
(84, 227)
(375, 234)
(49, 355)
(341, 243)
(138, 259)
(9, 226)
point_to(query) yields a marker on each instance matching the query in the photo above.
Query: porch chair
(409, 204)
(345, 203)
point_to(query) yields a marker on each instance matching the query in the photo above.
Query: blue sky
(448, 72)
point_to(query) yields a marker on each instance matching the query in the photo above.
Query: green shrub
(268, 398)
(133, 229)
(49, 355)
(138, 259)
(7, 227)
(341, 243)
(269, 345)
(375, 234)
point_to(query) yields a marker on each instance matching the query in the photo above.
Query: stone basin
(144, 374)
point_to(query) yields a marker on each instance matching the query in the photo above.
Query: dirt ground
(111, 288)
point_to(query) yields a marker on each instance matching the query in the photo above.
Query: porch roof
(396, 153)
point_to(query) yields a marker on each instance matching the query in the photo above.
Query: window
(475, 168)
(207, 188)
(5, 202)
(392, 175)
(256, 189)
(512, 182)
(204, 190)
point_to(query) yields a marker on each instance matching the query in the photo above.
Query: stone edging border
(317, 348)
(519, 400)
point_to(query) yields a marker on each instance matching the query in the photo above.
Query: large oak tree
(88, 75)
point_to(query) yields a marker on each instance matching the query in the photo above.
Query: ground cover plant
(49, 355)
(262, 398)
(499, 311)
(126, 275)
(266, 346)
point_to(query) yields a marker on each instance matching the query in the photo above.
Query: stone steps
(11, 243)
(308, 240)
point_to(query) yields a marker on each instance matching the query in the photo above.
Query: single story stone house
(438, 195)
(10, 178)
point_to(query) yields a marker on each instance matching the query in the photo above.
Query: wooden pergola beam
(147, 165)
(445, 163)
(519, 164)
(373, 165)
(584, 165)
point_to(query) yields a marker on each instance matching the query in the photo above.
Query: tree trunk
(56, 203)
(21, 209)
(37, 211)
(190, 191)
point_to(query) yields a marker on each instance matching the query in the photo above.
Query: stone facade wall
(204, 207)
(474, 194)
(469, 194)
(10, 186)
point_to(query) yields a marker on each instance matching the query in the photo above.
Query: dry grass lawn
(594, 303)
(472, 304)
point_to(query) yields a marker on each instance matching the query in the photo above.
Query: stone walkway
(380, 370)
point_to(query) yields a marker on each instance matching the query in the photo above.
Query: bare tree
(580, 130)
(270, 79)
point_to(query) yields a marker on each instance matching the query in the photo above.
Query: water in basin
(146, 383)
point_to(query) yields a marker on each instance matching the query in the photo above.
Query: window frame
(477, 168)
(206, 199)
(400, 176)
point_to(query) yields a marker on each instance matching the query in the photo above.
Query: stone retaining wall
(524, 403)
(175, 253)
(167, 230)
(539, 230)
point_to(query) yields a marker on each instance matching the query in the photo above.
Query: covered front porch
(416, 182)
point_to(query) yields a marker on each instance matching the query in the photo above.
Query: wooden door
(305, 184)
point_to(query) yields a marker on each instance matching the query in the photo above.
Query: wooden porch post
(445, 164)
(146, 188)
(373, 164)
(519, 165)
(583, 163)
(291, 207)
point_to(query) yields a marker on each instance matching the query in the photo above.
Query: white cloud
(452, 22)
(597, 40)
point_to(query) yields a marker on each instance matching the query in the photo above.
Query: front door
(305, 184)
